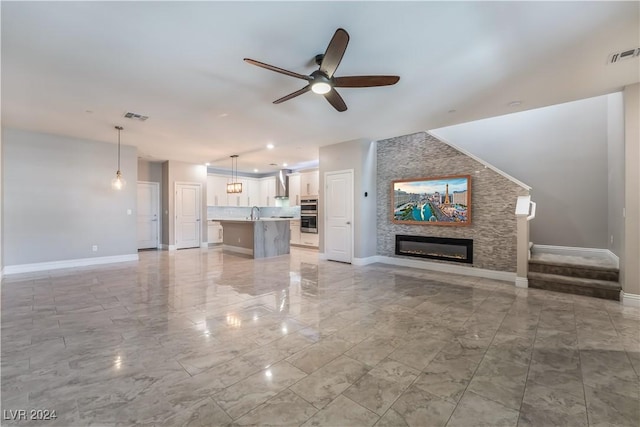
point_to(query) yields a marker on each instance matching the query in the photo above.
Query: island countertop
(262, 238)
(240, 219)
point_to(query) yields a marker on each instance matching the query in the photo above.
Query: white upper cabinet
(268, 191)
(217, 190)
(309, 183)
(294, 190)
(252, 194)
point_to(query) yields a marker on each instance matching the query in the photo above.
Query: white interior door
(338, 207)
(188, 207)
(148, 214)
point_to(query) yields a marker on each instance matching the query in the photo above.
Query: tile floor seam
(586, 404)
(526, 379)
(476, 370)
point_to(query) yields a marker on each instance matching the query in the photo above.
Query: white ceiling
(75, 68)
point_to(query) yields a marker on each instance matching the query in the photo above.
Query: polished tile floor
(201, 337)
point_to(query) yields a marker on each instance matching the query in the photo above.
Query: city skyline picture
(443, 200)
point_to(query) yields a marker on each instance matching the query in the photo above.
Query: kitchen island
(262, 238)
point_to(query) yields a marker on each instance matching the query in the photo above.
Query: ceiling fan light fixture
(321, 88)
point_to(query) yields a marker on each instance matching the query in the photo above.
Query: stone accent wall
(493, 199)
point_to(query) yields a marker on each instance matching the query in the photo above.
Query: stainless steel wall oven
(309, 215)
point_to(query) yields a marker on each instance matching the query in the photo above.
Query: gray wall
(615, 166)
(630, 268)
(493, 199)
(1, 203)
(165, 203)
(58, 200)
(359, 155)
(561, 152)
(150, 171)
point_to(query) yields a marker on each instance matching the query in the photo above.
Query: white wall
(58, 201)
(561, 152)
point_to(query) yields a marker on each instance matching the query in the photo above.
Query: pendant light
(118, 182)
(234, 186)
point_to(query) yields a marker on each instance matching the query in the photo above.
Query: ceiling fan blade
(277, 70)
(293, 95)
(365, 81)
(336, 100)
(335, 52)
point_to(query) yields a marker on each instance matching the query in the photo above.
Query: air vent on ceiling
(625, 54)
(136, 116)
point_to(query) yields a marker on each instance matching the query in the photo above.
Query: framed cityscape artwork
(441, 200)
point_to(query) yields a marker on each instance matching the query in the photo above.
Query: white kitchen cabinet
(294, 227)
(217, 190)
(241, 199)
(268, 191)
(309, 239)
(309, 183)
(294, 190)
(214, 232)
(252, 195)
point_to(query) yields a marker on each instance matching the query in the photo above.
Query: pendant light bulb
(118, 183)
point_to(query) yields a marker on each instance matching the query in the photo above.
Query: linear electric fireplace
(442, 248)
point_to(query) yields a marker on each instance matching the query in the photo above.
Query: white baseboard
(204, 245)
(68, 263)
(322, 256)
(365, 261)
(168, 247)
(237, 249)
(449, 268)
(631, 300)
(522, 282)
(576, 251)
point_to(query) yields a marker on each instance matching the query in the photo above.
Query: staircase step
(574, 270)
(575, 285)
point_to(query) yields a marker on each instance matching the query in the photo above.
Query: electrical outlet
(238, 240)
(129, 211)
(612, 239)
(94, 248)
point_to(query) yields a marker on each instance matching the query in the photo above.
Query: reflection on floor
(206, 337)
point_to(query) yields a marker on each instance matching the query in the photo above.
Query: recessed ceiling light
(223, 115)
(207, 164)
(515, 103)
(284, 164)
(270, 146)
(255, 170)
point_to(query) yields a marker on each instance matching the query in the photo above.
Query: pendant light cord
(119, 129)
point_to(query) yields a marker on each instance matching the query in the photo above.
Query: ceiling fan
(322, 81)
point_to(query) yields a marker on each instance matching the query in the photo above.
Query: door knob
(348, 222)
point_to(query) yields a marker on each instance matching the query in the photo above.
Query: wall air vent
(625, 54)
(136, 116)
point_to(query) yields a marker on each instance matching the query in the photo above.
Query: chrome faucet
(255, 217)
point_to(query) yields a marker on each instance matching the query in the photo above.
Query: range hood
(282, 184)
